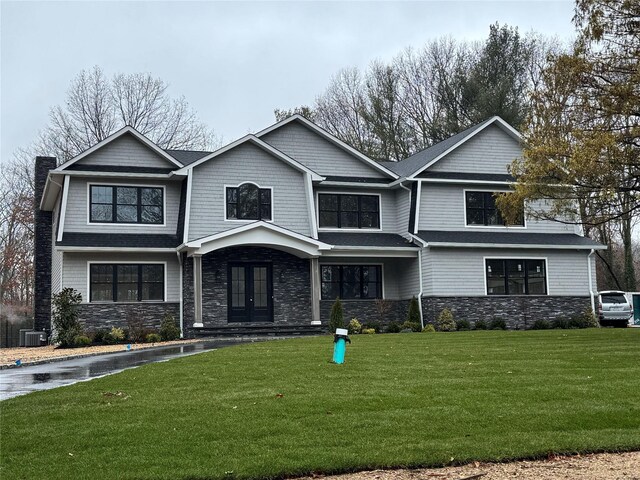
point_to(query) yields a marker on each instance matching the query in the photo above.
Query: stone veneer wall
(97, 316)
(520, 312)
(291, 285)
(365, 311)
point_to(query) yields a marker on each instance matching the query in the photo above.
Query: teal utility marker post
(340, 345)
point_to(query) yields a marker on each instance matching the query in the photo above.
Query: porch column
(197, 291)
(315, 292)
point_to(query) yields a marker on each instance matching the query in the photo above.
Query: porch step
(259, 330)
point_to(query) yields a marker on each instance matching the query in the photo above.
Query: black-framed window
(348, 211)
(351, 281)
(126, 282)
(482, 210)
(248, 202)
(516, 277)
(125, 204)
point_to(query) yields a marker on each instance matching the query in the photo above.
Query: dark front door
(250, 287)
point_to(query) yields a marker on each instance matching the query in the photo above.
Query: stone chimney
(43, 236)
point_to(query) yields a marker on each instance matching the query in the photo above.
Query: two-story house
(269, 230)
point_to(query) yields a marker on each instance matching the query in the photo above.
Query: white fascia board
(416, 239)
(89, 173)
(51, 191)
(111, 138)
(259, 143)
(70, 248)
(328, 136)
(371, 252)
(478, 182)
(356, 184)
(515, 245)
(504, 125)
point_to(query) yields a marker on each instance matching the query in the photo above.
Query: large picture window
(351, 281)
(516, 277)
(248, 202)
(126, 282)
(348, 211)
(116, 204)
(482, 210)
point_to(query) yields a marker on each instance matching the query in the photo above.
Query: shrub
(480, 325)
(354, 326)
(368, 331)
(168, 328)
(336, 320)
(99, 335)
(413, 326)
(153, 338)
(413, 316)
(393, 327)
(113, 336)
(135, 328)
(65, 316)
(585, 319)
(541, 324)
(463, 324)
(372, 326)
(81, 341)
(445, 321)
(383, 307)
(498, 324)
(560, 322)
(428, 328)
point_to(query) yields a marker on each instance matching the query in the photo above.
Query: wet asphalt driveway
(26, 379)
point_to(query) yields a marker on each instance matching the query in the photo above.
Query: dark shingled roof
(416, 161)
(118, 240)
(187, 157)
(364, 239)
(507, 238)
(485, 177)
(119, 168)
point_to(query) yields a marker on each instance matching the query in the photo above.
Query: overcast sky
(234, 61)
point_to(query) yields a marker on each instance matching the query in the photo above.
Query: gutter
(181, 296)
(591, 292)
(421, 287)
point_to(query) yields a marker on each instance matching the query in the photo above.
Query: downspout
(420, 294)
(591, 292)
(181, 296)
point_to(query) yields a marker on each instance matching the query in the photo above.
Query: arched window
(248, 202)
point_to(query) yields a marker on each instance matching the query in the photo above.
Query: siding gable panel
(126, 151)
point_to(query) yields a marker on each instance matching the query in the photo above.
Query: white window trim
(488, 227)
(515, 257)
(356, 263)
(132, 185)
(241, 220)
(347, 192)
(126, 262)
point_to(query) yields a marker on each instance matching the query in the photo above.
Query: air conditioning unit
(22, 332)
(35, 339)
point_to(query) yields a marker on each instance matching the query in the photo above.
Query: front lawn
(280, 408)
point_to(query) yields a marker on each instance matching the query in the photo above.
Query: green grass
(400, 400)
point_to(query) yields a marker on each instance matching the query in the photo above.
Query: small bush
(168, 329)
(354, 326)
(541, 324)
(413, 316)
(585, 319)
(153, 338)
(560, 322)
(135, 328)
(336, 320)
(413, 326)
(393, 327)
(81, 341)
(372, 326)
(98, 336)
(463, 324)
(445, 321)
(65, 316)
(428, 328)
(480, 325)
(498, 324)
(368, 331)
(113, 336)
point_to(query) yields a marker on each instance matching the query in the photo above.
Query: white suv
(614, 308)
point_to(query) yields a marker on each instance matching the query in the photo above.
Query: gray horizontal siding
(460, 272)
(78, 200)
(75, 269)
(403, 210)
(388, 209)
(442, 207)
(126, 151)
(56, 256)
(246, 163)
(317, 153)
(490, 151)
